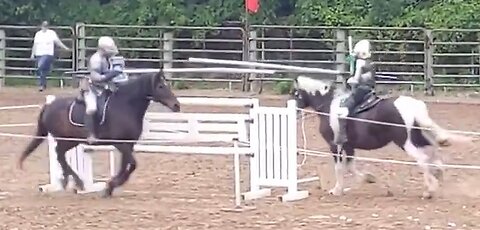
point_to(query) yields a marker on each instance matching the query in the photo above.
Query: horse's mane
(136, 82)
(312, 85)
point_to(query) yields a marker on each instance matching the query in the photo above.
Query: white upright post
(84, 169)
(255, 191)
(55, 171)
(292, 190)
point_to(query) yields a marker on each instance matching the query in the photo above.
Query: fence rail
(417, 56)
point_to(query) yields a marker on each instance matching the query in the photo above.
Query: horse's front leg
(339, 172)
(127, 166)
(61, 149)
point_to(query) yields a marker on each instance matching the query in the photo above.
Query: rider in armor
(362, 83)
(100, 78)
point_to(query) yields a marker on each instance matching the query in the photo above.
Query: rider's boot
(90, 125)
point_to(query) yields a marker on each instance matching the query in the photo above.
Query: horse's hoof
(64, 183)
(107, 193)
(369, 178)
(444, 142)
(438, 173)
(80, 185)
(335, 192)
(427, 195)
(389, 193)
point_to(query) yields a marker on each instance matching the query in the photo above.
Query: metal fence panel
(396, 51)
(442, 58)
(456, 57)
(18, 41)
(167, 46)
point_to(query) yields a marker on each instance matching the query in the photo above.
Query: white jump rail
(262, 65)
(267, 134)
(189, 70)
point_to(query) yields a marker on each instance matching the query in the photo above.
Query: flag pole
(246, 57)
(247, 21)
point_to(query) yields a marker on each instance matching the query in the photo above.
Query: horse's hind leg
(62, 148)
(352, 167)
(423, 157)
(127, 166)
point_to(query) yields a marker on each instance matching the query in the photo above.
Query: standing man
(43, 52)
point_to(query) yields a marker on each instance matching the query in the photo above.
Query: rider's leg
(91, 108)
(356, 97)
(344, 111)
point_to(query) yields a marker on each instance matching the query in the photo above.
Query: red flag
(252, 5)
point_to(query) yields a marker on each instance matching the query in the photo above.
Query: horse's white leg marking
(408, 109)
(437, 170)
(339, 176)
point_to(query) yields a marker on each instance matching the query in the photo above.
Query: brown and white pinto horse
(421, 144)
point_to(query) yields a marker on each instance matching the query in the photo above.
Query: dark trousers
(44, 64)
(357, 96)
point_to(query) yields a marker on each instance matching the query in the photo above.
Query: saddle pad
(76, 112)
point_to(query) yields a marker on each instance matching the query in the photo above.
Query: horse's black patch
(370, 101)
(76, 112)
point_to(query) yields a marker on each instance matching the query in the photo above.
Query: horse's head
(161, 92)
(315, 93)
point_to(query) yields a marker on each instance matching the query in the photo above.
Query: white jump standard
(268, 135)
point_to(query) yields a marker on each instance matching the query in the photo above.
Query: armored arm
(358, 72)
(95, 66)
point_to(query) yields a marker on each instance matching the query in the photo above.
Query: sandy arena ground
(173, 191)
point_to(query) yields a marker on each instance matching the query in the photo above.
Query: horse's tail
(441, 136)
(40, 134)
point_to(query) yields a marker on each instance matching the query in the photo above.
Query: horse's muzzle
(175, 107)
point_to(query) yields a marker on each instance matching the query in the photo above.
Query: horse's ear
(295, 82)
(160, 73)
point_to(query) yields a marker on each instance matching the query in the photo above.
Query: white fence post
(168, 52)
(3, 46)
(81, 46)
(253, 84)
(340, 50)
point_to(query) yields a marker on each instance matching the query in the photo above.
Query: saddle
(76, 112)
(369, 101)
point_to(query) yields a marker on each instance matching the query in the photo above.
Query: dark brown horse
(325, 97)
(121, 118)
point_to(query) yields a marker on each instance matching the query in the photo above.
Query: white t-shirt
(45, 42)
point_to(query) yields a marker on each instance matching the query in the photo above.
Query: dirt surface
(174, 191)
